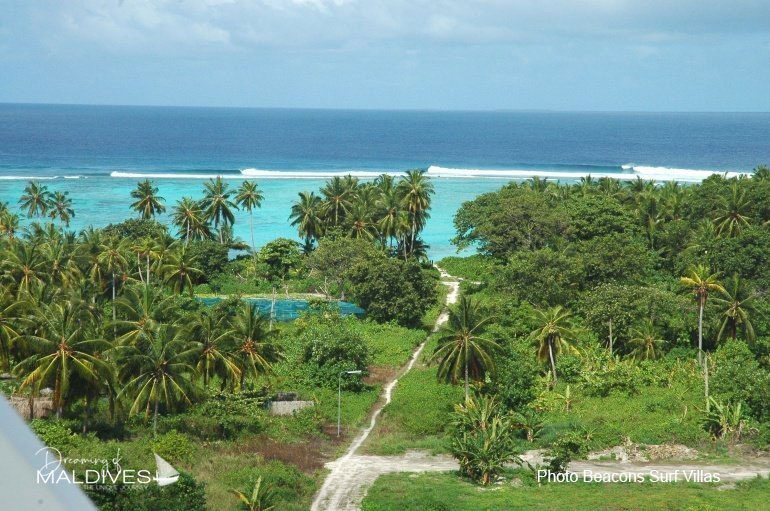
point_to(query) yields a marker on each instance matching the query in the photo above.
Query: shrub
(482, 441)
(210, 256)
(55, 433)
(223, 415)
(137, 228)
(173, 446)
(737, 377)
(330, 346)
(185, 495)
(393, 290)
(567, 446)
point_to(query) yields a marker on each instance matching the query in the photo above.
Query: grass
(476, 267)
(655, 416)
(432, 314)
(390, 345)
(444, 492)
(418, 415)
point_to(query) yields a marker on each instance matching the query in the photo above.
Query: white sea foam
(630, 172)
(627, 172)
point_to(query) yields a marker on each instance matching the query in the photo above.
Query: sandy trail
(351, 475)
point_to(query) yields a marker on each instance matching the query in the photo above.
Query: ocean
(98, 153)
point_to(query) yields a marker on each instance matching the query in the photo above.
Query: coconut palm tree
(733, 215)
(189, 218)
(36, 199)
(61, 208)
(24, 265)
(701, 282)
(415, 188)
(645, 342)
(337, 200)
(157, 371)
(390, 206)
(249, 197)
(211, 337)
(553, 334)
(181, 270)
(60, 262)
(112, 261)
(11, 318)
(61, 350)
(254, 355)
(306, 216)
(361, 224)
(9, 224)
(216, 203)
(142, 309)
(462, 352)
(761, 173)
(737, 304)
(148, 202)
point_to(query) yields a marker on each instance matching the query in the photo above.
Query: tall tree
(737, 304)
(645, 342)
(553, 334)
(112, 261)
(216, 203)
(733, 215)
(416, 190)
(189, 218)
(143, 309)
(157, 371)
(254, 354)
(249, 197)
(36, 199)
(461, 349)
(338, 195)
(701, 282)
(61, 208)
(211, 337)
(181, 269)
(306, 216)
(148, 202)
(61, 349)
(11, 319)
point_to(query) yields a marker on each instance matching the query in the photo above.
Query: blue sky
(437, 54)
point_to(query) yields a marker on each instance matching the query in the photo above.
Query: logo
(100, 471)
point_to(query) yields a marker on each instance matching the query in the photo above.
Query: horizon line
(360, 109)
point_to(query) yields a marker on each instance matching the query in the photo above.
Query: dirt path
(351, 475)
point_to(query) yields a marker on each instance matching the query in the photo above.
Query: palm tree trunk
(251, 228)
(700, 331)
(113, 305)
(139, 266)
(148, 269)
(706, 378)
(466, 377)
(553, 363)
(155, 421)
(610, 336)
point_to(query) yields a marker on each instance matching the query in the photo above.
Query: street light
(339, 397)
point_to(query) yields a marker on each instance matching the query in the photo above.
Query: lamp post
(339, 397)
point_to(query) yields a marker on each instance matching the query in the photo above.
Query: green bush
(184, 495)
(223, 415)
(330, 346)
(173, 446)
(55, 433)
(737, 377)
(210, 256)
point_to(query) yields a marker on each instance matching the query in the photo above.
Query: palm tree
(180, 270)
(61, 349)
(24, 265)
(60, 262)
(112, 261)
(306, 215)
(61, 208)
(461, 349)
(337, 200)
(554, 333)
(143, 309)
(645, 342)
(701, 282)
(361, 224)
(390, 205)
(36, 199)
(210, 335)
(737, 304)
(217, 205)
(254, 355)
(148, 202)
(761, 173)
(537, 184)
(416, 189)
(261, 498)
(733, 216)
(249, 197)
(9, 224)
(156, 371)
(11, 318)
(189, 218)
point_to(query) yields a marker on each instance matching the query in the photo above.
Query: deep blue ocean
(97, 153)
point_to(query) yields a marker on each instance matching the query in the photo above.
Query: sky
(649, 55)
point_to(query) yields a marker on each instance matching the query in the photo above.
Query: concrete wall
(288, 407)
